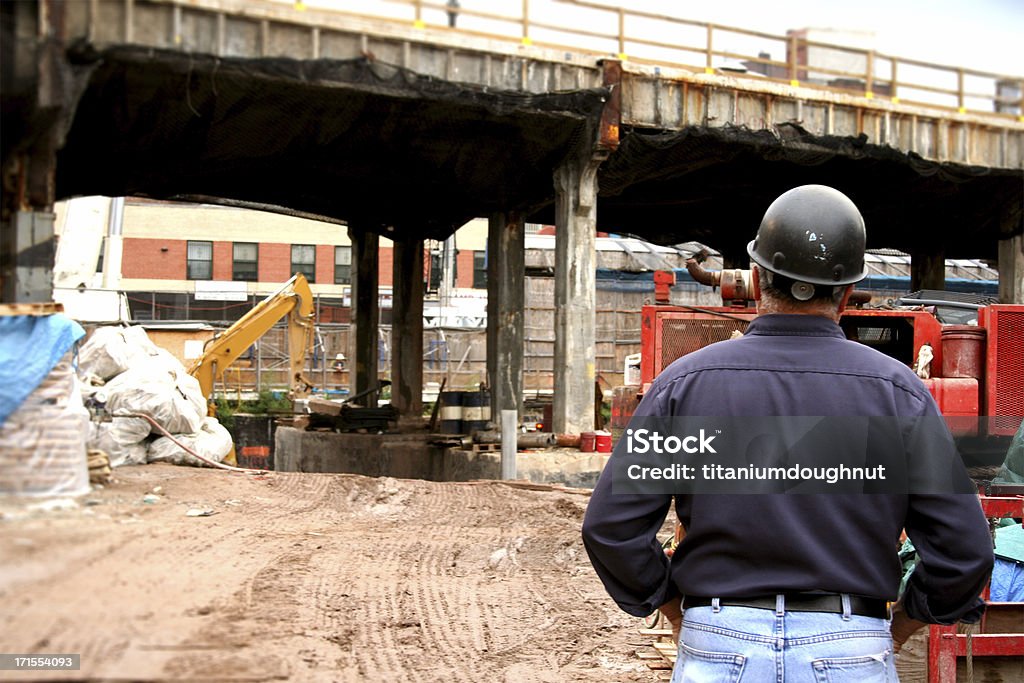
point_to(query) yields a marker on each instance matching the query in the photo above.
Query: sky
(982, 34)
(986, 35)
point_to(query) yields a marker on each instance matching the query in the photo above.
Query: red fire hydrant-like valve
(663, 282)
(736, 287)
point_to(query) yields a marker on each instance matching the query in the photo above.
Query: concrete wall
(411, 456)
(375, 455)
(174, 340)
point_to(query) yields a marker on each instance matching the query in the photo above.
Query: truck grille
(1006, 383)
(680, 337)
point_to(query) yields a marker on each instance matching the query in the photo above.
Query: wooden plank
(649, 655)
(322, 406)
(658, 632)
(48, 308)
(912, 662)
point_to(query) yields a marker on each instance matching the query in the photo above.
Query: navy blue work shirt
(746, 545)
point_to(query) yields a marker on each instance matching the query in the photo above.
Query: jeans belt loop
(716, 606)
(847, 610)
(780, 605)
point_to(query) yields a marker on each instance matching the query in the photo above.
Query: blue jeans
(760, 645)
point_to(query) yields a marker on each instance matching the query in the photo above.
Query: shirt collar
(783, 324)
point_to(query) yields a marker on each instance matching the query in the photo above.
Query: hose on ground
(211, 463)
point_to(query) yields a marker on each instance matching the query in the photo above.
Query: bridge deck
(253, 113)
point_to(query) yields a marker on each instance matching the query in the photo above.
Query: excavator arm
(294, 300)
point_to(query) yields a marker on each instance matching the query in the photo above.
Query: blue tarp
(1007, 581)
(30, 346)
(609, 279)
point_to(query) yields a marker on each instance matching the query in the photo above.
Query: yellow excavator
(295, 300)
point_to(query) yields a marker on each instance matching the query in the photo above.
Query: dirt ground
(311, 577)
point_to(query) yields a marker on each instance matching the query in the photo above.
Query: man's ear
(845, 299)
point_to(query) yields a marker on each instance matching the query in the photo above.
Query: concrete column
(27, 247)
(575, 296)
(113, 247)
(365, 312)
(1011, 270)
(446, 285)
(407, 329)
(506, 286)
(928, 268)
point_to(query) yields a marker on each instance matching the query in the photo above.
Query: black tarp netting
(350, 140)
(713, 185)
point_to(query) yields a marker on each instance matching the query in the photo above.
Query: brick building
(205, 262)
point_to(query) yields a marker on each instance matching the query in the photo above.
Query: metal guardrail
(622, 32)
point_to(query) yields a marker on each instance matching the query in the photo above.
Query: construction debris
(42, 443)
(99, 467)
(130, 377)
(350, 418)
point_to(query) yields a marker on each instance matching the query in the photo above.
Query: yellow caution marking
(869, 95)
(527, 40)
(622, 56)
(895, 100)
(419, 23)
(795, 83)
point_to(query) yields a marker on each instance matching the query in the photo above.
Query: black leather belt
(802, 602)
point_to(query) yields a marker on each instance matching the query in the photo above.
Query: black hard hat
(812, 234)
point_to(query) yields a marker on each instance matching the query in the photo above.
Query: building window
(479, 270)
(437, 269)
(343, 265)
(304, 260)
(244, 264)
(200, 260)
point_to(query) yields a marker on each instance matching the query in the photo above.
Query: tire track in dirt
(488, 627)
(325, 578)
(354, 605)
(431, 587)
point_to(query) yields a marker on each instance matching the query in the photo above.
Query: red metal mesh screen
(1007, 399)
(680, 337)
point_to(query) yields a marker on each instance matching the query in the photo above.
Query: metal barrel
(451, 412)
(963, 351)
(476, 410)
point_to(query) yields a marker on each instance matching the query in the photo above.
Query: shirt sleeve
(952, 538)
(620, 536)
(953, 541)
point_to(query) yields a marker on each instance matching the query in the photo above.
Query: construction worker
(791, 587)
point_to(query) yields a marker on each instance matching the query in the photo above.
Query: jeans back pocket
(698, 666)
(862, 669)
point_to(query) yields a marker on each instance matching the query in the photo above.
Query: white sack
(42, 443)
(212, 441)
(109, 351)
(123, 439)
(158, 386)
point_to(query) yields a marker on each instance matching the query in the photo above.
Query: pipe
(859, 297)
(188, 450)
(523, 439)
(940, 302)
(711, 278)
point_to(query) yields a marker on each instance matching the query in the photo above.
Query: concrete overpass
(406, 127)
